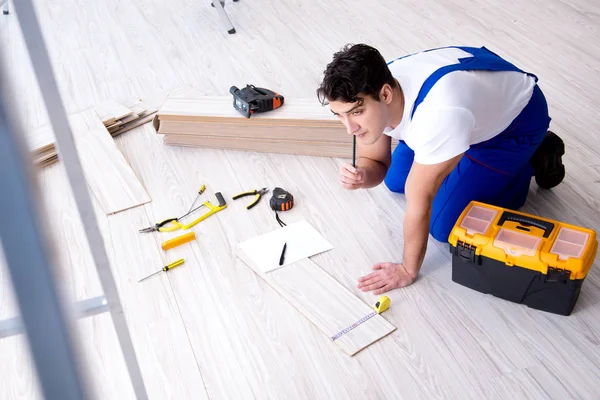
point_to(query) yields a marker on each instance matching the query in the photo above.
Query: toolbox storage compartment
(521, 258)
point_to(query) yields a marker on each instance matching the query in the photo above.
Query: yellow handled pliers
(258, 194)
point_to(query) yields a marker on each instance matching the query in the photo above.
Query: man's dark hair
(356, 69)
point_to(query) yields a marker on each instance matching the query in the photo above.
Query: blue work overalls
(496, 171)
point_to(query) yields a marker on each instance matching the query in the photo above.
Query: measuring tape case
(521, 258)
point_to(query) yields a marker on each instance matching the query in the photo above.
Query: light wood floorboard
(110, 178)
(212, 328)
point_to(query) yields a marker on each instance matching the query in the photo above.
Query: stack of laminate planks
(117, 119)
(108, 174)
(300, 126)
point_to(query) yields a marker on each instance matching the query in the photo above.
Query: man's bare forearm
(416, 233)
(375, 172)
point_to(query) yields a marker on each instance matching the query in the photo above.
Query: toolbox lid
(478, 220)
(517, 243)
(569, 243)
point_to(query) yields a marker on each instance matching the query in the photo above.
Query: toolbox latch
(466, 252)
(558, 275)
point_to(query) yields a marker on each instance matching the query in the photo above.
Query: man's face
(366, 120)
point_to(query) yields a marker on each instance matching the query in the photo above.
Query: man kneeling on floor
(470, 126)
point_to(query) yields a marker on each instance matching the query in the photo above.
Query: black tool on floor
(281, 200)
(252, 99)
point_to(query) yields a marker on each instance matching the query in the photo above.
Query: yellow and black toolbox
(521, 258)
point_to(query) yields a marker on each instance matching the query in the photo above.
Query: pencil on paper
(282, 257)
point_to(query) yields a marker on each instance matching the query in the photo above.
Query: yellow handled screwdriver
(165, 268)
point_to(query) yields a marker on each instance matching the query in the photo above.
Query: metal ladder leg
(219, 5)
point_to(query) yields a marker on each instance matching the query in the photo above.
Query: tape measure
(281, 200)
(382, 304)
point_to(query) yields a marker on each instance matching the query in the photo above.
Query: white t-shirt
(461, 109)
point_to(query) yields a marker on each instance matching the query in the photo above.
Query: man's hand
(387, 276)
(352, 178)
(372, 163)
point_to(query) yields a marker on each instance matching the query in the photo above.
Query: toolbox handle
(525, 220)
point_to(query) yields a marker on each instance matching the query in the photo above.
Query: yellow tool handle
(249, 193)
(213, 210)
(179, 240)
(170, 228)
(173, 265)
(256, 199)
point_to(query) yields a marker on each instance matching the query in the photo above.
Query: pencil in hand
(354, 151)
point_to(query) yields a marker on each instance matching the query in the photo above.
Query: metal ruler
(382, 304)
(354, 325)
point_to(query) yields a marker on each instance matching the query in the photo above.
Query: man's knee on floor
(394, 183)
(441, 227)
(441, 232)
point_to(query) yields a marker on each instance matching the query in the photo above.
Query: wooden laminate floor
(213, 328)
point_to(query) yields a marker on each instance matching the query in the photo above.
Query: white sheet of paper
(302, 239)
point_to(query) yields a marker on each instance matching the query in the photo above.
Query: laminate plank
(144, 118)
(136, 105)
(44, 159)
(521, 385)
(41, 139)
(119, 123)
(325, 303)
(103, 363)
(296, 112)
(98, 348)
(551, 383)
(157, 99)
(110, 111)
(469, 312)
(535, 382)
(198, 286)
(578, 363)
(313, 148)
(108, 174)
(76, 279)
(17, 364)
(153, 314)
(320, 134)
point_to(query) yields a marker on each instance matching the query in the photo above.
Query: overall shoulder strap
(480, 59)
